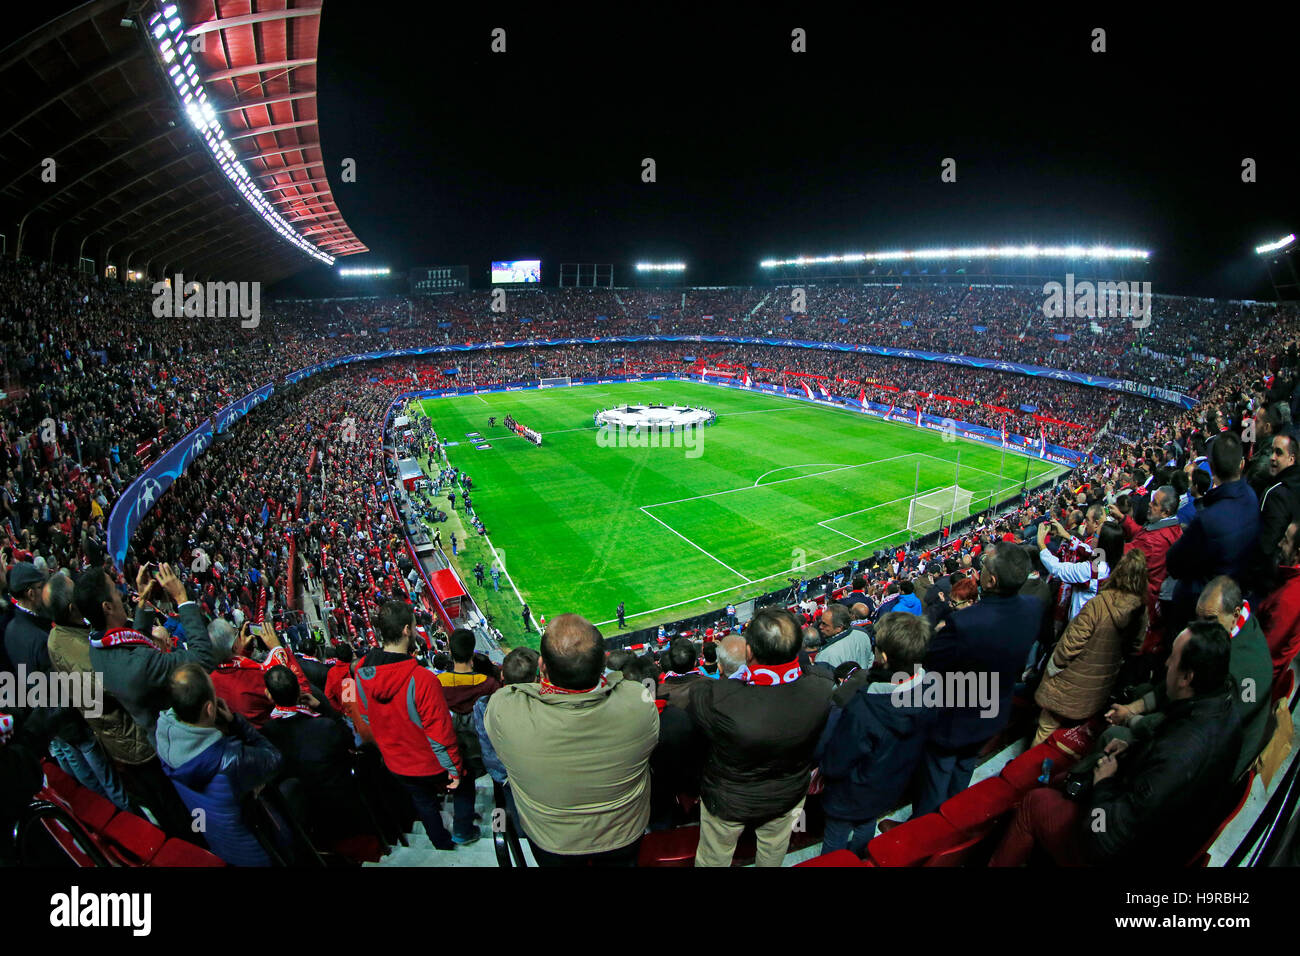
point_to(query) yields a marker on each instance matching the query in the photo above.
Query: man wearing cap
(26, 639)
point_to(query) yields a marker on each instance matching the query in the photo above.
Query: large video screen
(520, 270)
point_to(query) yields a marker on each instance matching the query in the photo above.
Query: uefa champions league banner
(143, 493)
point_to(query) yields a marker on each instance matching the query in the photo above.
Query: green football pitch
(777, 488)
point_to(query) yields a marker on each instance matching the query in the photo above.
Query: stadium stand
(288, 533)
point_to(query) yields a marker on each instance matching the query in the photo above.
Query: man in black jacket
(983, 646)
(28, 632)
(1152, 804)
(760, 733)
(1259, 471)
(680, 673)
(315, 750)
(858, 595)
(1279, 505)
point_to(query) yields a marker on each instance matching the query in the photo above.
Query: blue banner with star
(143, 493)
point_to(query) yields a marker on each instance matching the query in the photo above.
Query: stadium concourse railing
(152, 483)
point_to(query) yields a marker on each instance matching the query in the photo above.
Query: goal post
(555, 382)
(936, 509)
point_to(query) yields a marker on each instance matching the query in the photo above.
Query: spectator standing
(215, 758)
(404, 705)
(875, 736)
(989, 641)
(1220, 539)
(576, 746)
(761, 733)
(135, 670)
(463, 688)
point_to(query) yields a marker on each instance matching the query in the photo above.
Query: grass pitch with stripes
(778, 485)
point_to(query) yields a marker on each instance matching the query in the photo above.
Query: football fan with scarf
(1249, 666)
(135, 670)
(761, 733)
(239, 678)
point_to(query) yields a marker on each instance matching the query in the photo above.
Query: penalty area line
(736, 587)
(697, 547)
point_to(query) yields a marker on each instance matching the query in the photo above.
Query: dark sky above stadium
(464, 156)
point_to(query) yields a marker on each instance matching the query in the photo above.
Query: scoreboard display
(430, 280)
(517, 270)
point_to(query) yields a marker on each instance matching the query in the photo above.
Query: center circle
(655, 416)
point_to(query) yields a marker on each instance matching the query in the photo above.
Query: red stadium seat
(134, 840)
(91, 810)
(1024, 771)
(58, 781)
(976, 807)
(965, 852)
(669, 847)
(914, 842)
(179, 853)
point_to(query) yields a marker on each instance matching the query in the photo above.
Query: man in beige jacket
(576, 746)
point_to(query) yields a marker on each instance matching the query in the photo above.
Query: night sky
(464, 156)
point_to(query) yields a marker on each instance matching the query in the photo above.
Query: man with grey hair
(239, 680)
(731, 656)
(1154, 540)
(1249, 665)
(843, 641)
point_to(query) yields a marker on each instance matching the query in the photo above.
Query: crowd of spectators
(1141, 592)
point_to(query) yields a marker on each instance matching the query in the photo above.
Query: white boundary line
(695, 546)
(532, 618)
(779, 481)
(669, 607)
(902, 530)
(811, 464)
(794, 404)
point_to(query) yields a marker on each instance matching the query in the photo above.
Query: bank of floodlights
(1275, 246)
(972, 252)
(661, 267)
(351, 271)
(168, 34)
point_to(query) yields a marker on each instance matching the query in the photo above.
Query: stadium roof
(133, 182)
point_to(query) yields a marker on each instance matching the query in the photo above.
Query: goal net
(937, 509)
(555, 382)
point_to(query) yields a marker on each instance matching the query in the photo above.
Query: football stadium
(435, 461)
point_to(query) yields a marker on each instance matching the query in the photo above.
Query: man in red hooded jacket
(1279, 613)
(403, 705)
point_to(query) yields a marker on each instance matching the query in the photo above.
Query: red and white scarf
(767, 675)
(122, 637)
(549, 688)
(240, 663)
(1242, 618)
(297, 710)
